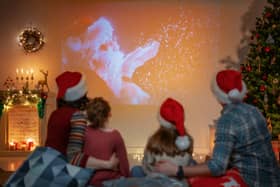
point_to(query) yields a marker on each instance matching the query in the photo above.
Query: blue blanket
(46, 167)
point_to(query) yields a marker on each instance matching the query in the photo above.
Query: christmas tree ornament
(259, 48)
(262, 88)
(278, 100)
(265, 99)
(274, 26)
(273, 60)
(249, 68)
(270, 40)
(267, 14)
(267, 49)
(269, 125)
(275, 81)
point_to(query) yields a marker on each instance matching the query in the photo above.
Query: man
(242, 146)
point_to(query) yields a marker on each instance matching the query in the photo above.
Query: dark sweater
(59, 128)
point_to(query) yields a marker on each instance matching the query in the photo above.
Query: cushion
(47, 167)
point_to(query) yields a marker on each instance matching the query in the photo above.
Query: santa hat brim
(224, 98)
(76, 92)
(164, 122)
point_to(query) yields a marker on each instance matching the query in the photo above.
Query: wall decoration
(31, 39)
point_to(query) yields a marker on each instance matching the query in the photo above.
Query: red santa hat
(171, 115)
(228, 87)
(71, 86)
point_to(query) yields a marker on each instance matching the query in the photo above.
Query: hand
(166, 167)
(113, 163)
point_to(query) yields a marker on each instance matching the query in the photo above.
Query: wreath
(31, 39)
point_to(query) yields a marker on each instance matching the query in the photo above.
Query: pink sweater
(101, 145)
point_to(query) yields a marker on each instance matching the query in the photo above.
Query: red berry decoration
(268, 14)
(264, 77)
(267, 49)
(262, 88)
(249, 68)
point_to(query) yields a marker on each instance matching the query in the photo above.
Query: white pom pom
(235, 96)
(182, 142)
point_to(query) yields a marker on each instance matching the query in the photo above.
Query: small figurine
(43, 83)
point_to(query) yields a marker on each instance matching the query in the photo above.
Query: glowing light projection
(136, 58)
(100, 49)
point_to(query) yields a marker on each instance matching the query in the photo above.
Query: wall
(135, 122)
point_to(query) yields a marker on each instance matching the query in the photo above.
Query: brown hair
(163, 141)
(98, 111)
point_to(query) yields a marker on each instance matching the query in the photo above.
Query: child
(101, 141)
(171, 141)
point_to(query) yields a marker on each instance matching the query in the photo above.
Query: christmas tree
(261, 69)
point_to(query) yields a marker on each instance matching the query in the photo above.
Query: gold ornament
(274, 26)
(269, 125)
(275, 81)
(273, 60)
(278, 100)
(259, 48)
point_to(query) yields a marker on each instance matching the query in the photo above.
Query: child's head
(163, 141)
(171, 137)
(98, 111)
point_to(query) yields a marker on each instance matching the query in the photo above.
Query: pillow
(47, 167)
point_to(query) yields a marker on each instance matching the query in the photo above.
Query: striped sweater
(75, 153)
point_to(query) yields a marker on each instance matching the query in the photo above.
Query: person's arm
(171, 169)
(215, 166)
(75, 153)
(121, 153)
(148, 162)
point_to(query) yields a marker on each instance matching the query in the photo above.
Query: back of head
(163, 142)
(228, 87)
(98, 111)
(172, 137)
(72, 89)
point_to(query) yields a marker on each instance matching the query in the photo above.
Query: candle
(30, 144)
(12, 146)
(31, 71)
(27, 75)
(16, 145)
(21, 78)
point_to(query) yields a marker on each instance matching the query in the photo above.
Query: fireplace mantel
(26, 111)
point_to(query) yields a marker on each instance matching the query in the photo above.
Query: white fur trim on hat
(232, 97)
(76, 92)
(182, 142)
(164, 122)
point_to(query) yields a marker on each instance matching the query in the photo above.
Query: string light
(31, 39)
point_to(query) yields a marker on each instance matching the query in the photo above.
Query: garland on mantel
(17, 97)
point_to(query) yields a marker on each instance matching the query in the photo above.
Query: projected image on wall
(154, 61)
